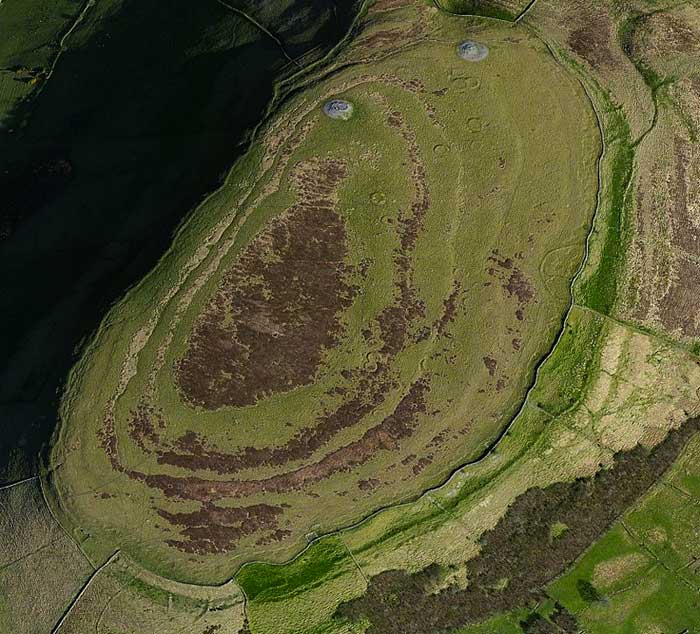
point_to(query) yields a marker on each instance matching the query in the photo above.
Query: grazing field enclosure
(41, 568)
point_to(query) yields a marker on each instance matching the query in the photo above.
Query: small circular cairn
(338, 109)
(472, 51)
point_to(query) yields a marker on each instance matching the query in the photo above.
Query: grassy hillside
(307, 353)
(142, 114)
(433, 366)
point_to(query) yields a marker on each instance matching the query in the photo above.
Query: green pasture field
(512, 194)
(32, 35)
(11, 91)
(32, 30)
(645, 569)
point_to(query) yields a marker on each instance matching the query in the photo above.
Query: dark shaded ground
(138, 122)
(490, 8)
(518, 558)
(561, 621)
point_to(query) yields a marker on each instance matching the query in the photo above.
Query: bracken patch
(215, 529)
(277, 309)
(592, 40)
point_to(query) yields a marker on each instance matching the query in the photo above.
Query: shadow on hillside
(142, 117)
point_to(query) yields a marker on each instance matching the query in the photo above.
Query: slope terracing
(358, 311)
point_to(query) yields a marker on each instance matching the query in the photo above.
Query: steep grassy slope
(143, 112)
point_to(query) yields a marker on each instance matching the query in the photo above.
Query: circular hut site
(355, 314)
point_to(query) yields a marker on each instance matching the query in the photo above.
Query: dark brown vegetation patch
(686, 233)
(670, 34)
(491, 365)
(561, 621)
(592, 39)
(368, 485)
(519, 286)
(513, 566)
(390, 37)
(450, 306)
(564, 620)
(216, 529)
(190, 451)
(513, 281)
(422, 463)
(679, 307)
(278, 308)
(388, 5)
(395, 320)
(143, 425)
